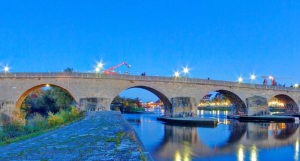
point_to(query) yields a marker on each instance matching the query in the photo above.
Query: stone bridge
(179, 95)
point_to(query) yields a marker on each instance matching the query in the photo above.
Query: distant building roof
(207, 96)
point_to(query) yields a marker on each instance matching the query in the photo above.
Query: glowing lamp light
(97, 69)
(240, 79)
(176, 74)
(100, 65)
(253, 77)
(271, 77)
(185, 70)
(6, 69)
(296, 85)
(47, 85)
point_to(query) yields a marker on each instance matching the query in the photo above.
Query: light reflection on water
(230, 140)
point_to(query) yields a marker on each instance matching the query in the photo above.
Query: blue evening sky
(221, 40)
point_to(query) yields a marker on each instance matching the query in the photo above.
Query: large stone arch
(290, 104)
(28, 91)
(158, 93)
(233, 95)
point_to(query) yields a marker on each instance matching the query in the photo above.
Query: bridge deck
(144, 78)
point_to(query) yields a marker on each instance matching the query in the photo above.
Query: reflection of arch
(236, 101)
(26, 93)
(238, 129)
(160, 95)
(289, 104)
(289, 130)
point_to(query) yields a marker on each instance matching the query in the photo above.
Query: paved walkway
(93, 138)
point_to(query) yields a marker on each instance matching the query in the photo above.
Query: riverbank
(100, 135)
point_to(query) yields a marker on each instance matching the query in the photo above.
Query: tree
(137, 101)
(68, 70)
(51, 100)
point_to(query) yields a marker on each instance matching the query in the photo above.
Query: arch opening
(223, 100)
(163, 101)
(283, 103)
(45, 98)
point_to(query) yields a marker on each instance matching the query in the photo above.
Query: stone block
(256, 104)
(95, 104)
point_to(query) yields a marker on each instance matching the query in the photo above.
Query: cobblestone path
(100, 136)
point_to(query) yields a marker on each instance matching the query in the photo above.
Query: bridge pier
(95, 104)
(7, 107)
(257, 105)
(183, 107)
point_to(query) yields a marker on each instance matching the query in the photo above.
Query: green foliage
(39, 122)
(54, 119)
(111, 140)
(3, 135)
(127, 104)
(65, 115)
(74, 112)
(51, 100)
(13, 130)
(120, 134)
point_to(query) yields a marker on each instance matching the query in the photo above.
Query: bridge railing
(144, 78)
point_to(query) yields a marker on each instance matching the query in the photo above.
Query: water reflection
(230, 140)
(185, 143)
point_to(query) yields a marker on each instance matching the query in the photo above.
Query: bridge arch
(290, 104)
(28, 91)
(166, 101)
(234, 97)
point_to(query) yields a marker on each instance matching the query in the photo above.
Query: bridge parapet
(146, 78)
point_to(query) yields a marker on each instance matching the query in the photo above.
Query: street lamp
(240, 79)
(253, 77)
(100, 65)
(296, 85)
(97, 70)
(176, 74)
(185, 70)
(6, 69)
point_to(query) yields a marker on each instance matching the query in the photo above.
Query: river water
(229, 140)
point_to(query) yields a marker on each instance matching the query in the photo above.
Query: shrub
(39, 122)
(28, 129)
(74, 112)
(5, 119)
(13, 128)
(54, 119)
(65, 115)
(3, 136)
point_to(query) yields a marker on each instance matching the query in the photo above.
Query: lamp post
(185, 70)
(98, 68)
(252, 78)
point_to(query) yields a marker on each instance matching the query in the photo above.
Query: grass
(111, 140)
(24, 137)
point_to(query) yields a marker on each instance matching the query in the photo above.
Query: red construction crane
(112, 70)
(273, 82)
